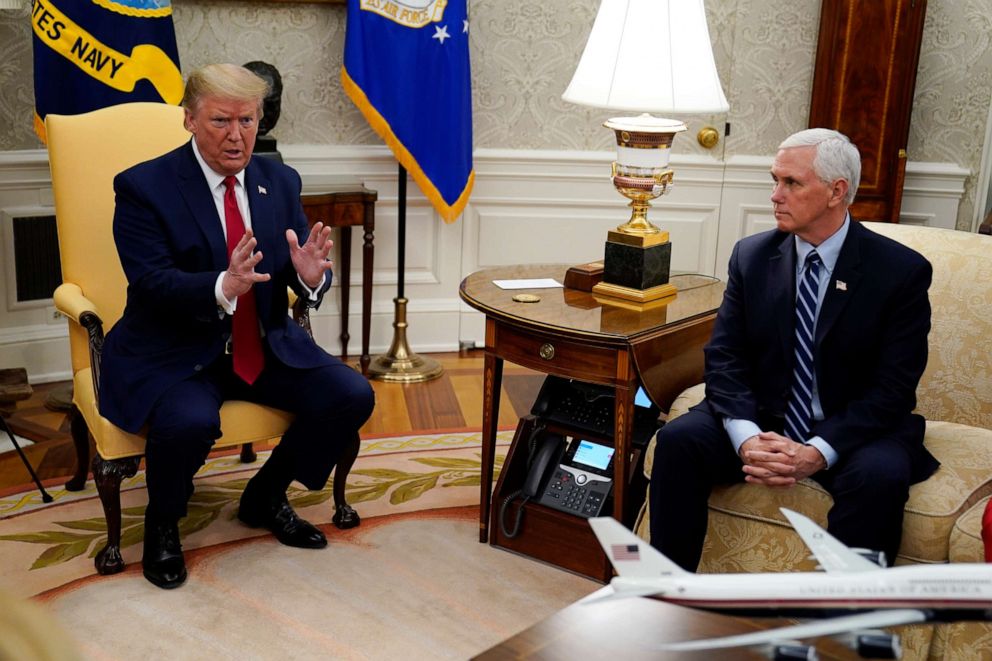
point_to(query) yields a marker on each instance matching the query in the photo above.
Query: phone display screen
(593, 454)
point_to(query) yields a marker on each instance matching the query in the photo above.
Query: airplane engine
(878, 557)
(794, 651)
(878, 646)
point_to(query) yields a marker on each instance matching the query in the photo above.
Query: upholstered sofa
(942, 523)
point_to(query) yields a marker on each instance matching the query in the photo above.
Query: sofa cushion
(966, 536)
(958, 377)
(934, 505)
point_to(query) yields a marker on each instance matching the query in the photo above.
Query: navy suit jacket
(172, 247)
(870, 345)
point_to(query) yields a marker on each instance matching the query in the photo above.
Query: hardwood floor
(452, 401)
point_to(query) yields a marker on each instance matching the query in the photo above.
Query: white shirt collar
(829, 250)
(214, 179)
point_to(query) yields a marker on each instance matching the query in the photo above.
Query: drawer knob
(547, 351)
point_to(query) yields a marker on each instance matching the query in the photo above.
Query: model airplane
(853, 596)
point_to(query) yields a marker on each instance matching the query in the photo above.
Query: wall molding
(528, 206)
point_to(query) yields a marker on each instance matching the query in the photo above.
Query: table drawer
(548, 353)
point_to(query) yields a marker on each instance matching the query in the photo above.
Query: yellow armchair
(85, 153)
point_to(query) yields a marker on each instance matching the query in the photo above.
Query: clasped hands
(776, 461)
(309, 260)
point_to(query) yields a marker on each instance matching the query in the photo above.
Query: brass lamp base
(636, 271)
(639, 296)
(400, 364)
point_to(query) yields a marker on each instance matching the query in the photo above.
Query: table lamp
(645, 56)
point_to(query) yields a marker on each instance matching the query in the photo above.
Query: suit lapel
(843, 282)
(782, 287)
(263, 225)
(200, 201)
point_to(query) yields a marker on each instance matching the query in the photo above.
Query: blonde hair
(225, 81)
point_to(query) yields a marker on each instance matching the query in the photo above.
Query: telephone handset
(548, 455)
(546, 450)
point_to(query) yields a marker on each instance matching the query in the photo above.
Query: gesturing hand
(310, 259)
(240, 274)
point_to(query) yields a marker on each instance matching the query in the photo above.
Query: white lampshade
(649, 56)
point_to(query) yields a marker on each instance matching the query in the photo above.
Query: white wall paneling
(528, 206)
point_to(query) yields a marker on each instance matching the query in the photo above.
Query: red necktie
(245, 335)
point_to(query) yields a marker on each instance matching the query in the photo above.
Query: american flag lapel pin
(841, 285)
(262, 191)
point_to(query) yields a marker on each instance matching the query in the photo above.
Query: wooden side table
(344, 205)
(569, 333)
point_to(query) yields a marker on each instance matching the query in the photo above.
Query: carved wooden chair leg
(108, 475)
(345, 515)
(81, 441)
(248, 455)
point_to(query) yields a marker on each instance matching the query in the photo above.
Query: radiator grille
(37, 271)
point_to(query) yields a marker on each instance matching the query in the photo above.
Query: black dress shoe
(163, 562)
(345, 517)
(284, 523)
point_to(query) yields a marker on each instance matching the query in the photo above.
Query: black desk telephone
(567, 471)
(572, 475)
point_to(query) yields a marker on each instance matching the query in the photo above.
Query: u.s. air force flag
(90, 54)
(406, 67)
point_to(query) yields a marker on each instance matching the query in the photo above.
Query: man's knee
(877, 471)
(343, 394)
(676, 443)
(197, 423)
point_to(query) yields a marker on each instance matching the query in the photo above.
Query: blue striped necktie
(800, 413)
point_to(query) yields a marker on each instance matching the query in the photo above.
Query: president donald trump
(210, 239)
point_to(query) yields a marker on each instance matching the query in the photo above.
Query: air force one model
(853, 597)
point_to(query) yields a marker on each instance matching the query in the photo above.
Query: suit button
(197, 368)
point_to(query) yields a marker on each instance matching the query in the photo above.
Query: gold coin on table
(526, 298)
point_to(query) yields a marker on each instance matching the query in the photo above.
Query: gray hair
(836, 157)
(225, 81)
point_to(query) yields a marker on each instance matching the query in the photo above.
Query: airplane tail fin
(631, 556)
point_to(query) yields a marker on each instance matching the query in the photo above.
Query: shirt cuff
(828, 452)
(739, 431)
(312, 293)
(224, 306)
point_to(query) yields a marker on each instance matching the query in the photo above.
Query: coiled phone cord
(504, 508)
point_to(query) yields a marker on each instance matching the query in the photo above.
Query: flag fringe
(39, 129)
(449, 213)
(137, 12)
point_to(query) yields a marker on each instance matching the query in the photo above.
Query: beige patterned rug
(411, 582)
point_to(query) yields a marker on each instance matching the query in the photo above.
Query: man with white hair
(812, 367)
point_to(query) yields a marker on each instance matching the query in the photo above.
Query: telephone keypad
(565, 493)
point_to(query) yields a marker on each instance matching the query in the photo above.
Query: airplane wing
(815, 629)
(830, 552)
(600, 596)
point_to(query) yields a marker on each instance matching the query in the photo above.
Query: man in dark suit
(812, 367)
(209, 239)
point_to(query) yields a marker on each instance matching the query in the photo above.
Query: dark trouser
(869, 486)
(330, 404)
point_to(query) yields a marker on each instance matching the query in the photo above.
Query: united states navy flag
(90, 54)
(406, 67)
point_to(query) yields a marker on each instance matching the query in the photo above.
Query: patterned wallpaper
(764, 52)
